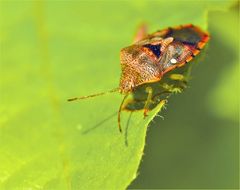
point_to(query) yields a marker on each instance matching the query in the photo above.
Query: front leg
(149, 90)
(141, 33)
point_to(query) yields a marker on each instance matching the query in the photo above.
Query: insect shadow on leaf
(126, 130)
(100, 123)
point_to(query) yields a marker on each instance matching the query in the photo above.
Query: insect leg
(141, 33)
(178, 77)
(119, 113)
(148, 101)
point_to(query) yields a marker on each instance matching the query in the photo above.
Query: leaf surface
(54, 50)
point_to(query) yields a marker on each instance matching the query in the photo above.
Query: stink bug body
(152, 56)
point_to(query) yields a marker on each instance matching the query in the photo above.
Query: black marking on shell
(155, 49)
(193, 55)
(186, 36)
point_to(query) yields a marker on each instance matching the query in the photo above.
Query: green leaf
(52, 51)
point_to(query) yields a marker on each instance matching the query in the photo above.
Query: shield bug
(151, 56)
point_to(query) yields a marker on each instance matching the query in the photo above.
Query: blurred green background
(53, 50)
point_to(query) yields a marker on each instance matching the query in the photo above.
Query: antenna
(92, 95)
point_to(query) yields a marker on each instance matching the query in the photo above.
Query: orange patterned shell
(150, 58)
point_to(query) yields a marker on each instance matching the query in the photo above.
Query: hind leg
(141, 33)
